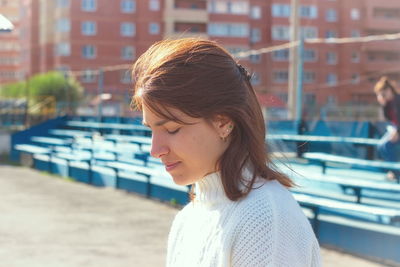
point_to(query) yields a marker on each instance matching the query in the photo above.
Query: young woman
(208, 130)
(388, 98)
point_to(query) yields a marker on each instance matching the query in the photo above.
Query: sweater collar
(209, 189)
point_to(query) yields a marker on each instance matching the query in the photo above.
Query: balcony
(178, 35)
(382, 15)
(390, 25)
(186, 15)
(176, 13)
(381, 66)
(382, 46)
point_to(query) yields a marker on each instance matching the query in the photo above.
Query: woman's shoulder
(271, 221)
(270, 201)
(268, 192)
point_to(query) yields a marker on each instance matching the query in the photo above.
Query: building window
(63, 49)
(89, 76)
(283, 97)
(239, 30)
(218, 29)
(281, 76)
(355, 78)
(64, 69)
(309, 55)
(217, 7)
(331, 15)
(89, 28)
(63, 25)
(280, 33)
(330, 34)
(128, 52)
(255, 58)
(255, 35)
(154, 28)
(89, 5)
(238, 8)
(226, 29)
(255, 12)
(280, 10)
(371, 56)
(310, 12)
(154, 5)
(9, 61)
(128, 6)
(355, 33)
(355, 14)
(309, 98)
(62, 3)
(331, 58)
(386, 13)
(331, 99)
(309, 77)
(331, 79)
(280, 55)
(355, 57)
(125, 76)
(128, 29)
(189, 27)
(234, 50)
(255, 78)
(10, 75)
(89, 51)
(309, 32)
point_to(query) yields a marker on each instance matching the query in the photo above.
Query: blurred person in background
(209, 131)
(389, 99)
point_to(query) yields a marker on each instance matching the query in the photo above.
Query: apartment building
(84, 35)
(239, 26)
(9, 44)
(337, 73)
(377, 58)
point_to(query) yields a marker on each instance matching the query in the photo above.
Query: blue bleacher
(121, 160)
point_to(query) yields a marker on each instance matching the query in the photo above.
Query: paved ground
(46, 221)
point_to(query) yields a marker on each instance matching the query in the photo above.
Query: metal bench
(315, 204)
(357, 185)
(26, 152)
(323, 158)
(368, 143)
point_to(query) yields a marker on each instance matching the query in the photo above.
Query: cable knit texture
(266, 228)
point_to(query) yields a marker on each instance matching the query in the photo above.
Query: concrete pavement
(47, 221)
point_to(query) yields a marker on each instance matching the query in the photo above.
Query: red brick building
(9, 44)
(337, 73)
(84, 35)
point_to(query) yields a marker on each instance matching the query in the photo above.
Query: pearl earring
(227, 132)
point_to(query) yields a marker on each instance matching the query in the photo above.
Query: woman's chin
(181, 180)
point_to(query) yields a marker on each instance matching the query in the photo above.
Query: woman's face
(188, 151)
(384, 96)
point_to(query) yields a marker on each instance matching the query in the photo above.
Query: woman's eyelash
(174, 132)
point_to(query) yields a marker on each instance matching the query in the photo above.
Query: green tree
(55, 84)
(41, 86)
(13, 90)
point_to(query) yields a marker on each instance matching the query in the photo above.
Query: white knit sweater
(266, 228)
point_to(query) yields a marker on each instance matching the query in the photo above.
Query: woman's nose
(159, 147)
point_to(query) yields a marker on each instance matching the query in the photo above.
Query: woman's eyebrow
(159, 123)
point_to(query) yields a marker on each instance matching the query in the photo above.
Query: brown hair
(383, 84)
(201, 79)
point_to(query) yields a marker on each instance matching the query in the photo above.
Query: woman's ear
(223, 125)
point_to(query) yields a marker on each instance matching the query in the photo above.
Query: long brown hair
(201, 79)
(383, 84)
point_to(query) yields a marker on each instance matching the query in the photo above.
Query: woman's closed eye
(174, 131)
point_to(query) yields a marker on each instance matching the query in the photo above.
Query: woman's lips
(171, 166)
